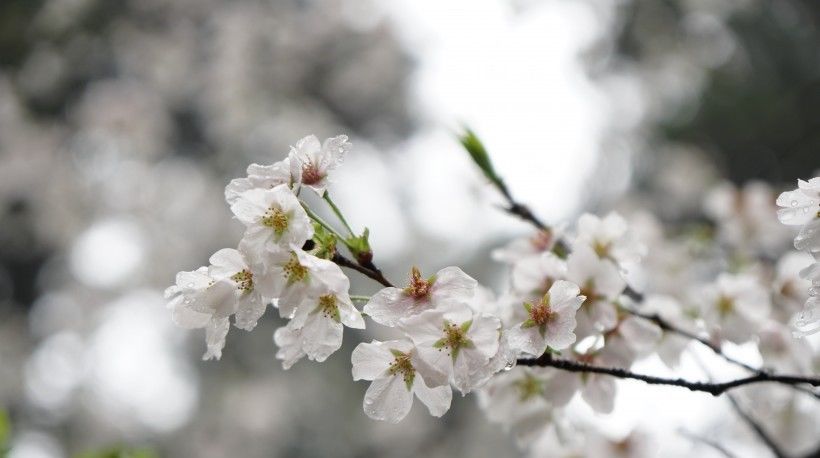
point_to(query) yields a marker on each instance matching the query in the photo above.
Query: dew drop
(510, 364)
(190, 285)
(794, 203)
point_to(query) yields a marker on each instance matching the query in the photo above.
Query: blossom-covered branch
(713, 388)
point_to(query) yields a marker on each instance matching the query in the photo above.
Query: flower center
(455, 338)
(419, 288)
(244, 280)
(588, 291)
(294, 271)
(725, 305)
(328, 307)
(311, 174)
(529, 387)
(401, 365)
(602, 249)
(276, 219)
(541, 314)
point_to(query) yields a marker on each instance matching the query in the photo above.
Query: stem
(354, 297)
(371, 273)
(666, 326)
(714, 389)
(338, 212)
(321, 222)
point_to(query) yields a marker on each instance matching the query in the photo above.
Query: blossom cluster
(582, 294)
(270, 266)
(801, 207)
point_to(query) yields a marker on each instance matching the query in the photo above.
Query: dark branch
(666, 326)
(758, 428)
(714, 389)
(371, 272)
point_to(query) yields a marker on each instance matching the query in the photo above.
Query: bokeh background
(121, 122)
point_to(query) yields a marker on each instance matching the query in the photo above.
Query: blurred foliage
(5, 433)
(119, 452)
(759, 112)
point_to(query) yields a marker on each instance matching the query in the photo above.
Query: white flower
(233, 266)
(746, 217)
(734, 307)
(550, 322)
(783, 352)
(801, 207)
(601, 284)
(273, 217)
(523, 399)
(598, 390)
(671, 345)
(524, 247)
(449, 287)
(397, 374)
(261, 177)
(207, 297)
(312, 162)
(293, 275)
(456, 344)
(609, 238)
(316, 328)
(632, 338)
(535, 275)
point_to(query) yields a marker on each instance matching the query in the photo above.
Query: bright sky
(517, 80)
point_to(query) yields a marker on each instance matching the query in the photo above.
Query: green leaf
(478, 153)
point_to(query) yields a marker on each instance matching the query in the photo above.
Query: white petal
(452, 285)
(215, 335)
(321, 337)
(560, 387)
(250, 309)
(290, 349)
(390, 305)
(226, 262)
(599, 393)
(563, 291)
(370, 360)
(388, 399)
(436, 399)
(641, 335)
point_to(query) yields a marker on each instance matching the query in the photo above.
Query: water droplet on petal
(794, 203)
(190, 285)
(510, 364)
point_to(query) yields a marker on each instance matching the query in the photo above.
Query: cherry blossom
(734, 307)
(601, 284)
(609, 238)
(274, 218)
(259, 177)
(449, 287)
(457, 344)
(397, 373)
(550, 322)
(312, 162)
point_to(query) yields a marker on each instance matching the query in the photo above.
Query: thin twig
(696, 438)
(714, 389)
(758, 428)
(370, 272)
(667, 326)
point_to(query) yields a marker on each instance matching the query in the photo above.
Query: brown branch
(370, 272)
(714, 389)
